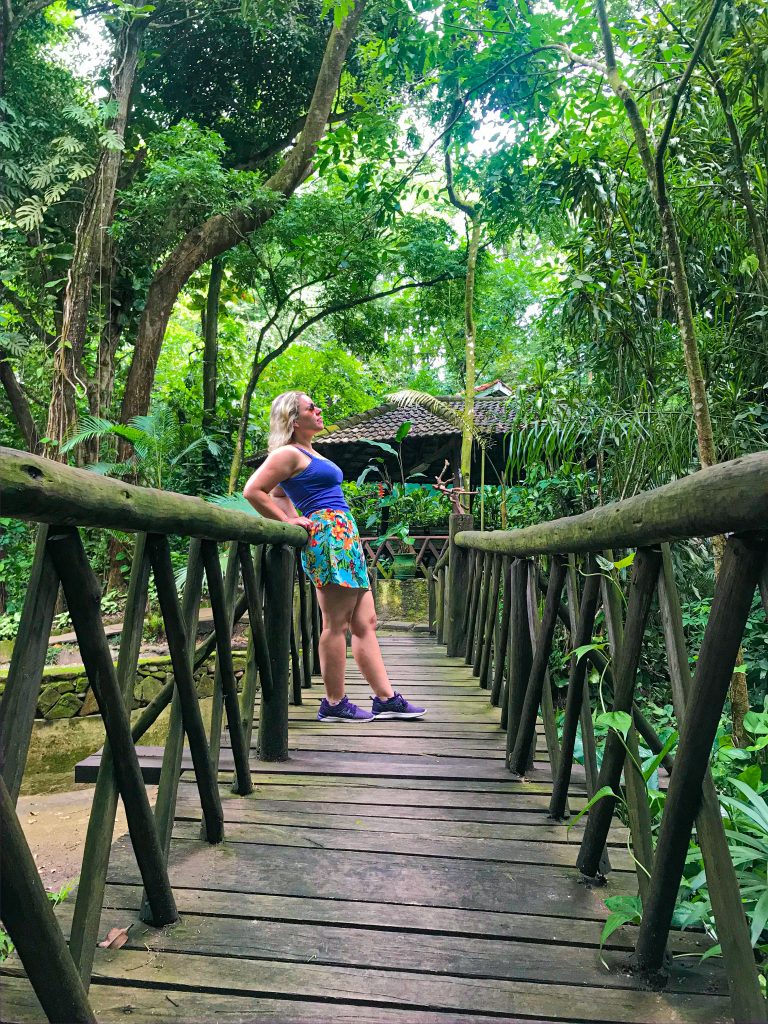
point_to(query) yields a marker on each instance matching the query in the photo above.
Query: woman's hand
(300, 521)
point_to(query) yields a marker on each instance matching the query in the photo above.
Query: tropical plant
(162, 454)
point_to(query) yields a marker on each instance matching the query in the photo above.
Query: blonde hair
(283, 414)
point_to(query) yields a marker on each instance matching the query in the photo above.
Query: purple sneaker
(396, 707)
(344, 711)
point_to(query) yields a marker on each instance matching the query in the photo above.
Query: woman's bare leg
(365, 646)
(337, 605)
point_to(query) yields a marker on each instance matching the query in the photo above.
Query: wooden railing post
(526, 733)
(575, 695)
(83, 594)
(98, 842)
(29, 918)
(638, 811)
(520, 653)
(739, 574)
(500, 660)
(481, 638)
(730, 920)
(458, 578)
(645, 572)
(22, 688)
(185, 708)
(273, 720)
(221, 605)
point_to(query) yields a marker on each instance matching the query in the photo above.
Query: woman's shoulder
(286, 453)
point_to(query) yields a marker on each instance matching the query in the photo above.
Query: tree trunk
(222, 232)
(95, 219)
(739, 695)
(211, 344)
(19, 404)
(470, 336)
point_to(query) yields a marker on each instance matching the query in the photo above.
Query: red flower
(381, 490)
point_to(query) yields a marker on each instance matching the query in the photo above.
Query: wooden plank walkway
(389, 872)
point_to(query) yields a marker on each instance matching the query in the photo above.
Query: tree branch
(455, 200)
(682, 86)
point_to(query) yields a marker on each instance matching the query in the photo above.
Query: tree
(222, 232)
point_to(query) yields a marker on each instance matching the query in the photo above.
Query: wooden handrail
(729, 498)
(44, 491)
(62, 499)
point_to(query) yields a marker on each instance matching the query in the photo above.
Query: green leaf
(712, 951)
(618, 720)
(402, 431)
(380, 444)
(605, 791)
(623, 563)
(652, 767)
(579, 652)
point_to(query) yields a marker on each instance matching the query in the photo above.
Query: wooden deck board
(393, 874)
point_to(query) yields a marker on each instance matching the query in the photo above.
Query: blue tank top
(317, 486)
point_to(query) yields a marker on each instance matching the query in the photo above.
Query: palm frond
(233, 503)
(90, 427)
(409, 397)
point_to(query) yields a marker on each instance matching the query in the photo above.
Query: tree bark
(19, 404)
(95, 219)
(470, 337)
(211, 344)
(470, 331)
(222, 232)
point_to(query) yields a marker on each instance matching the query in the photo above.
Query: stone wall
(402, 600)
(65, 692)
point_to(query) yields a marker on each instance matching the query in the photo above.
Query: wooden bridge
(391, 871)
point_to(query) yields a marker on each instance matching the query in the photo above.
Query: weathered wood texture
(49, 492)
(735, 588)
(730, 497)
(428, 886)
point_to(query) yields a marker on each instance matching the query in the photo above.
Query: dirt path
(55, 825)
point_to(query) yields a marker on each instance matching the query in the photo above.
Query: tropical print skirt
(334, 553)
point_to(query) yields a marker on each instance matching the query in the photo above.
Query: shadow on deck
(388, 872)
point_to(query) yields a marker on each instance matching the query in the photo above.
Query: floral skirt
(334, 553)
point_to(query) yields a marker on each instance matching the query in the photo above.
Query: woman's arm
(263, 489)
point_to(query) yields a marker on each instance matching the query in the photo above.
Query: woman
(294, 476)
